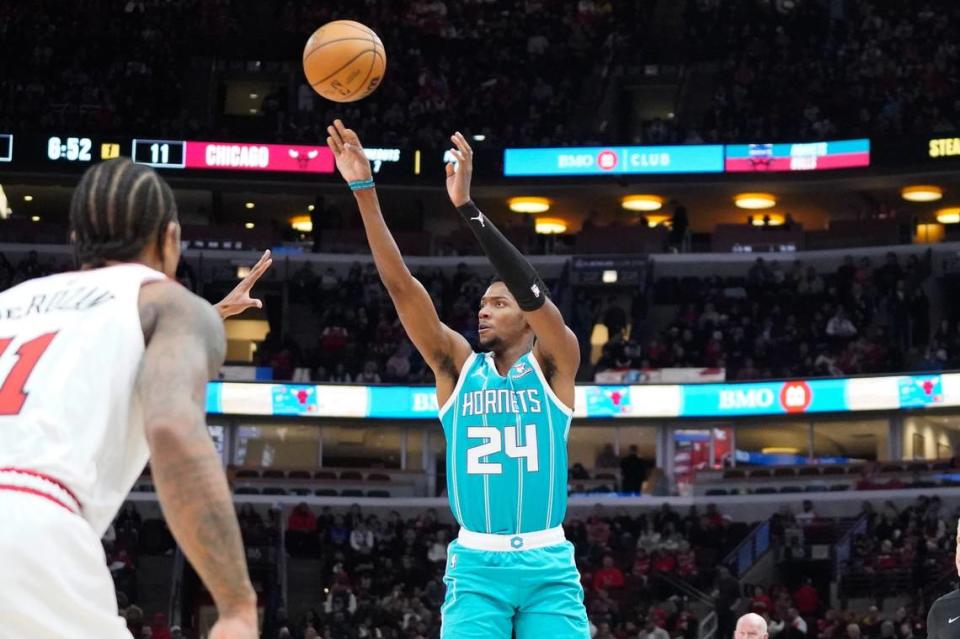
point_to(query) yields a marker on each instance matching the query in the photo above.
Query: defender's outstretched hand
(238, 300)
(458, 177)
(348, 152)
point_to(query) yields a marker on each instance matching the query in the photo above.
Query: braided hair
(118, 208)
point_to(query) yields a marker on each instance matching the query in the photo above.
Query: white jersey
(71, 347)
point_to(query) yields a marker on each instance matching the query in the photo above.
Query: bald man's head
(751, 626)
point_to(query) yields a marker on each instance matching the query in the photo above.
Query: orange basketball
(344, 61)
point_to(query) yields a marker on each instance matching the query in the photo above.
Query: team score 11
(494, 445)
(12, 396)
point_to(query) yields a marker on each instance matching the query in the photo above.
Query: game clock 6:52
(70, 149)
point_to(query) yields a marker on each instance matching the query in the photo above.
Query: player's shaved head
(751, 626)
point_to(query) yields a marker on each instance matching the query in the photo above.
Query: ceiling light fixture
(301, 223)
(550, 226)
(755, 201)
(921, 193)
(657, 219)
(950, 215)
(529, 204)
(768, 219)
(642, 202)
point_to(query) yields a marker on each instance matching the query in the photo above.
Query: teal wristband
(361, 185)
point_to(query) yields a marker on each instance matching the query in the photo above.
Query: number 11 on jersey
(12, 395)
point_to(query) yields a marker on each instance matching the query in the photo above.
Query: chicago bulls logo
(303, 159)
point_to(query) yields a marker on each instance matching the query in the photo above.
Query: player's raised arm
(185, 348)
(556, 348)
(442, 348)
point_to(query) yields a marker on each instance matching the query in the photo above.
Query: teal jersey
(506, 448)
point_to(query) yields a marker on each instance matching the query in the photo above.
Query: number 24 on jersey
(495, 444)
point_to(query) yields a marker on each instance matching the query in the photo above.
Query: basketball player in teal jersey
(506, 415)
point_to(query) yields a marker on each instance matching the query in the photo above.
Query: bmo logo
(607, 160)
(424, 402)
(795, 397)
(746, 398)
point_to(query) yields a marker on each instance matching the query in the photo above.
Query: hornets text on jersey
(506, 448)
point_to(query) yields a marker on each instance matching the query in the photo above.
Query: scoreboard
(6, 147)
(73, 152)
(233, 156)
(798, 156)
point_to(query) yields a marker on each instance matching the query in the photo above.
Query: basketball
(344, 61)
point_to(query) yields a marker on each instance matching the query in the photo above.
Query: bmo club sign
(764, 398)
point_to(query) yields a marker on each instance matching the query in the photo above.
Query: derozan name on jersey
(79, 298)
(249, 156)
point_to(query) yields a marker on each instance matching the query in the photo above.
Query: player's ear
(171, 234)
(170, 248)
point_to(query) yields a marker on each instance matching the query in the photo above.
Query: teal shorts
(491, 594)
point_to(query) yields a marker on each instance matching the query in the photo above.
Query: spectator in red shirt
(302, 519)
(301, 527)
(664, 562)
(807, 599)
(641, 564)
(829, 626)
(333, 339)
(609, 576)
(886, 559)
(761, 602)
(159, 626)
(713, 516)
(686, 560)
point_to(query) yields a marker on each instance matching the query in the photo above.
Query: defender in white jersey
(100, 369)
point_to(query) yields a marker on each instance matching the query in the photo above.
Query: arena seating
(825, 478)
(763, 49)
(340, 482)
(149, 78)
(518, 90)
(776, 321)
(639, 566)
(868, 315)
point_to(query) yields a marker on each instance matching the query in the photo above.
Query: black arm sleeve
(517, 273)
